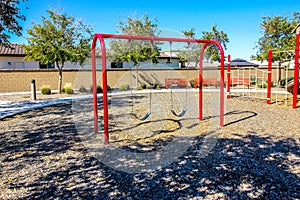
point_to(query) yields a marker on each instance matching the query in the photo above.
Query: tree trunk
(59, 76)
(59, 80)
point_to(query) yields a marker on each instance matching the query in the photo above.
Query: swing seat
(143, 118)
(180, 114)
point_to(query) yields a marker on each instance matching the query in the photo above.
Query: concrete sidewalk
(10, 108)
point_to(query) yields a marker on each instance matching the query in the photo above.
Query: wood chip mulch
(256, 156)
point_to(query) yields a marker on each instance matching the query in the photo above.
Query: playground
(171, 141)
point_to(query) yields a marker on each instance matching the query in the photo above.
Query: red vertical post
(228, 77)
(94, 79)
(296, 72)
(270, 54)
(221, 83)
(104, 87)
(222, 57)
(201, 81)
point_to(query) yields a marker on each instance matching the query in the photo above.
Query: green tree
(213, 50)
(59, 39)
(277, 35)
(9, 16)
(135, 50)
(192, 51)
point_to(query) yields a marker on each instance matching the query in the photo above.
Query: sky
(239, 19)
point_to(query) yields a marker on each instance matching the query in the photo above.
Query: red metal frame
(296, 72)
(270, 58)
(101, 38)
(228, 77)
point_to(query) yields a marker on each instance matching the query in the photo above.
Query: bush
(99, 89)
(262, 85)
(68, 89)
(109, 89)
(124, 87)
(45, 89)
(192, 83)
(283, 82)
(82, 89)
(156, 86)
(252, 80)
(142, 86)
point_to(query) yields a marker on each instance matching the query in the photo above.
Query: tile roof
(16, 50)
(296, 29)
(168, 55)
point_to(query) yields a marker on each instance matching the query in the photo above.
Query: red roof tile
(15, 50)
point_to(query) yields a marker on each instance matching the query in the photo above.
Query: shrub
(109, 88)
(82, 89)
(283, 82)
(99, 89)
(192, 83)
(262, 85)
(252, 80)
(142, 86)
(45, 89)
(68, 89)
(124, 87)
(156, 86)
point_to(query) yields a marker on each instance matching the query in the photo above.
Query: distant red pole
(228, 77)
(296, 72)
(94, 85)
(269, 77)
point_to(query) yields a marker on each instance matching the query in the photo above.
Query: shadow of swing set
(101, 38)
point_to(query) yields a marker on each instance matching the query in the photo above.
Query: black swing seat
(180, 114)
(143, 118)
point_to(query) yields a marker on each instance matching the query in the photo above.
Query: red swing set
(101, 38)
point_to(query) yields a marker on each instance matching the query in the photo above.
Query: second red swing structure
(100, 37)
(269, 77)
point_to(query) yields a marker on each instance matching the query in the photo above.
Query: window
(116, 65)
(19, 65)
(49, 65)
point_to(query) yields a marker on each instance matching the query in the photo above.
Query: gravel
(44, 154)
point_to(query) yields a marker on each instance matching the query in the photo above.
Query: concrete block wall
(19, 80)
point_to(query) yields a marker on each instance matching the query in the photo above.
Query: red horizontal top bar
(100, 35)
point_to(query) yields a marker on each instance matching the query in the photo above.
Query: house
(13, 58)
(296, 29)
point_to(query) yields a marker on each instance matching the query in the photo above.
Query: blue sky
(239, 19)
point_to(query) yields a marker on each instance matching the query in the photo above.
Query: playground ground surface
(257, 155)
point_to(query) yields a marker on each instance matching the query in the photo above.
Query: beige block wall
(20, 80)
